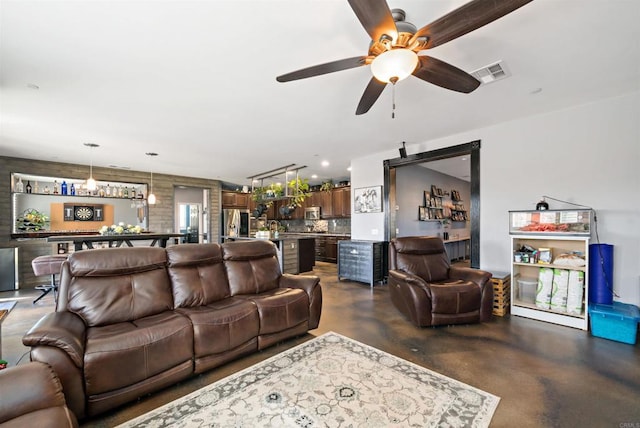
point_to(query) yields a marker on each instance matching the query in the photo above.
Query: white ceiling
(195, 82)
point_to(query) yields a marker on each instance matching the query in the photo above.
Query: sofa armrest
(29, 388)
(476, 276)
(304, 282)
(63, 330)
(409, 279)
(482, 278)
(311, 285)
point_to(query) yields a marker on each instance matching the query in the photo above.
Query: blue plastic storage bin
(618, 321)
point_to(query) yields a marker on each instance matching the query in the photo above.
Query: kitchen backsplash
(336, 225)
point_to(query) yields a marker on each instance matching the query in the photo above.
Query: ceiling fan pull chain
(393, 80)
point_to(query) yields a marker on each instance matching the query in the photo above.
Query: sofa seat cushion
(455, 297)
(223, 325)
(280, 309)
(119, 355)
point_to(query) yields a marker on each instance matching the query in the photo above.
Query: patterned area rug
(330, 381)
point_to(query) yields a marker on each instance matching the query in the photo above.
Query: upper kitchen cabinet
(333, 203)
(341, 202)
(326, 204)
(235, 200)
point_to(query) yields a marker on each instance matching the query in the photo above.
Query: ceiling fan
(395, 44)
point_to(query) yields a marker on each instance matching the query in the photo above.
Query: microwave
(312, 213)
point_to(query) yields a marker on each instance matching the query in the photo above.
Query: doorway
(472, 150)
(191, 213)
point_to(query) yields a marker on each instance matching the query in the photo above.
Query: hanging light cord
(595, 226)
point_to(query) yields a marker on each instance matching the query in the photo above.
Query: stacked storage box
(618, 321)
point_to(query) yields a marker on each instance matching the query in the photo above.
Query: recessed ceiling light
(314, 176)
(464, 158)
(349, 169)
(325, 163)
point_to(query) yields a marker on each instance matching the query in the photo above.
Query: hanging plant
(267, 194)
(299, 191)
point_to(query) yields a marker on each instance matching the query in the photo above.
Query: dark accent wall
(161, 215)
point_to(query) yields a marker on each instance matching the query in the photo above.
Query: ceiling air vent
(491, 73)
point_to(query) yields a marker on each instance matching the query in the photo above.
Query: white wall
(588, 154)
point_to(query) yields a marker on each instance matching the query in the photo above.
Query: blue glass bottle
(73, 190)
(63, 187)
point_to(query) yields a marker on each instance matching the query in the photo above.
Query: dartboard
(83, 213)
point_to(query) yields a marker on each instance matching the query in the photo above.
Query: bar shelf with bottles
(56, 186)
(54, 196)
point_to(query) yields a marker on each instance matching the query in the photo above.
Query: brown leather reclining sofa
(130, 321)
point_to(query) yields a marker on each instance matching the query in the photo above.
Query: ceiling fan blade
(465, 19)
(375, 17)
(445, 75)
(329, 67)
(371, 94)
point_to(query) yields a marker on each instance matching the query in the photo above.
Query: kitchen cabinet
(331, 243)
(326, 248)
(326, 204)
(235, 200)
(321, 249)
(341, 202)
(362, 261)
(335, 203)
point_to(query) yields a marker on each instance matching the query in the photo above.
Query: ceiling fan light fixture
(395, 63)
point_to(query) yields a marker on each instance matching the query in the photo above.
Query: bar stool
(48, 265)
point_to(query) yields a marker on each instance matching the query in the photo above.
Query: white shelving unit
(558, 244)
(562, 231)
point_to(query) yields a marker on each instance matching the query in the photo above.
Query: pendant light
(151, 198)
(91, 182)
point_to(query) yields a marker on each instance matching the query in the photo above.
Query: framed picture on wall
(422, 213)
(367, 200)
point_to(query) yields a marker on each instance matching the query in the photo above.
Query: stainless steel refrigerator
(235, 223)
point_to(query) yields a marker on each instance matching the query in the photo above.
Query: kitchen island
(295, 252)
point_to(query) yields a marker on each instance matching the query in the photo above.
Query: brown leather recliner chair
(31, 396)
(429, 291)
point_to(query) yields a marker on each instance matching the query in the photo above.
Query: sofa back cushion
(112, 285)
(422, 256)
(252, 266)
(197, 274)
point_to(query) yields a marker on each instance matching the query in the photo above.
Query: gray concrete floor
(546, 375)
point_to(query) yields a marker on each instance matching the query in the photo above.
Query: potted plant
(326, 186)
